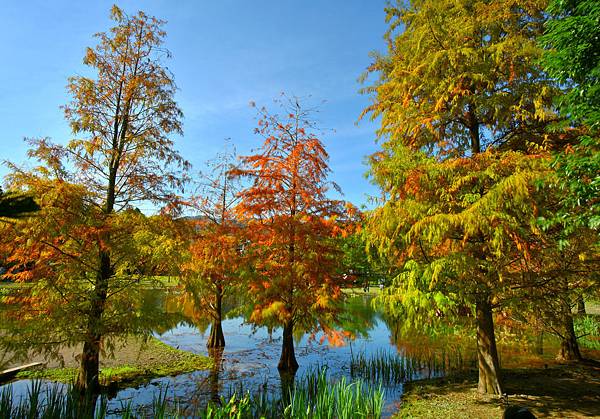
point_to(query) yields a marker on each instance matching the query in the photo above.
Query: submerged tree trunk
(487, 355)
(569, 348)
(287, 362)
(216, 338)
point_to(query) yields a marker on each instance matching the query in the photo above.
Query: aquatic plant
(52, 402)
(389, 368)
(314, 396)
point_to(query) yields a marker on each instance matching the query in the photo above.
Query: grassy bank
(559, 391)
(150, 359)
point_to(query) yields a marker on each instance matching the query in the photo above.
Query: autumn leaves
(274, 238)
(292, 224)
(88, 251)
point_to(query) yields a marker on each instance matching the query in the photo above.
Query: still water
(250, 358)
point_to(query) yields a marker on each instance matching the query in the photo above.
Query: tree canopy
(572, 57)
(463, 107)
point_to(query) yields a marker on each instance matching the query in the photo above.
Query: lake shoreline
(150, 359)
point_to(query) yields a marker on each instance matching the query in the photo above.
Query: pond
(249, 361)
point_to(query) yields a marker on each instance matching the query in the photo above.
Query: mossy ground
(153, 358)
(559, 391)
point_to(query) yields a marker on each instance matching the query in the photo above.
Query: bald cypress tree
(463, 110)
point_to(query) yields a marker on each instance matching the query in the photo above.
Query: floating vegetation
(389, 368)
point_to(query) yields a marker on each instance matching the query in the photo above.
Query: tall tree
(291, 225)
(122, 155)
(215, 259)
(458, 85)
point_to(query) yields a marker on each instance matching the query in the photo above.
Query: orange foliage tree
(291, 226)
(80, 250)
(215, 259)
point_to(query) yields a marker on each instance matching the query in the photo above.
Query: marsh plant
(314, 396)
(50, 402)
(389, 368)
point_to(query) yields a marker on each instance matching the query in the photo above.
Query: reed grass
(390, 369)
(314, 396)
(52, 402)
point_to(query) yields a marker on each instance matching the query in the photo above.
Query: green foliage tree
(572, 40)
(360, 264)
(565, 274)
(462, 102)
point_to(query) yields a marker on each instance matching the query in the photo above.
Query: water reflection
(214, 378)
(249, 361)
(28, 335)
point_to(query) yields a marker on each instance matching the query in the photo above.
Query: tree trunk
(569, 348)
(487, 354)
(89, 370)
(287, 362)
(216, 338)
(580, 305)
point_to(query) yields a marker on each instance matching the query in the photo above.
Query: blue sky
(226, 53)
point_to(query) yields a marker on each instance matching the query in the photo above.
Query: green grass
(160, 360)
